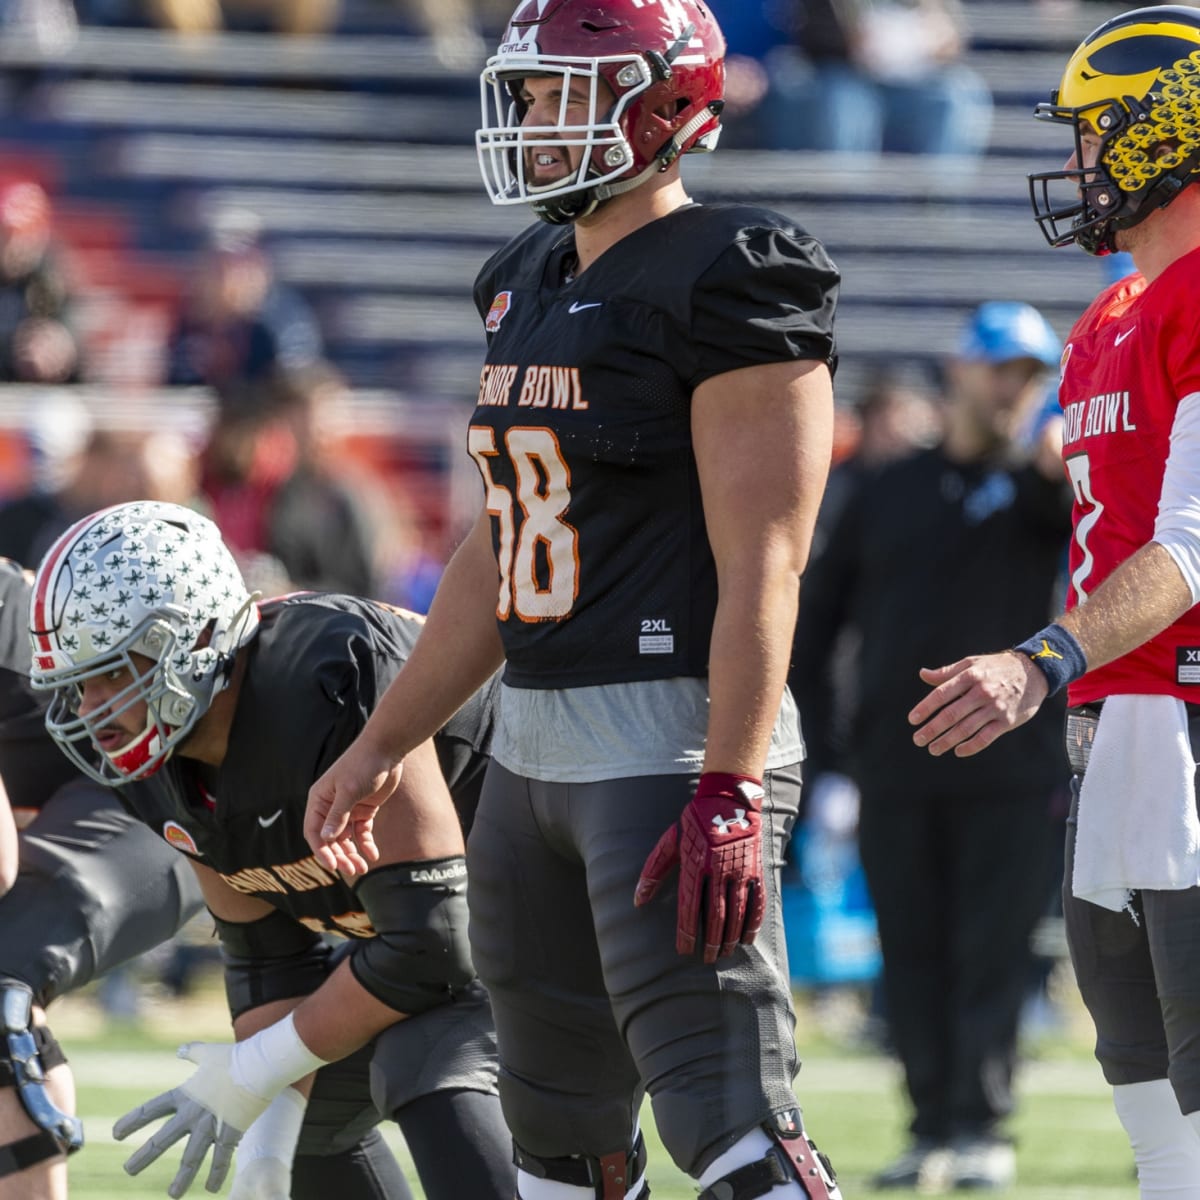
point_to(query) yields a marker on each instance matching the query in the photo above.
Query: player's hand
(717, 843)
(210, 1109)
(339, 819)
(975, 700)
(262, 1167)
(231, 1088)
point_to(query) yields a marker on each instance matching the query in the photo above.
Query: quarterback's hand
(717, 843)
(262, 1167)
(975, 700)
(339, 819)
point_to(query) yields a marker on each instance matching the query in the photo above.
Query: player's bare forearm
(747, 669)
(341, 1016)
(1143, 596)
(762, 438)
(978, 699)
(459, 648)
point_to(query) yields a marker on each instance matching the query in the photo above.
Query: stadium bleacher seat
(355, 152)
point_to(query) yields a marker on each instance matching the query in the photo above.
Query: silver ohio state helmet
(147, 579)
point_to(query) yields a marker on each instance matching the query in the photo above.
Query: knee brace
(419, 957)
(610, 1176)
(25, 1057)
(794, 1158)
(1166, 1145)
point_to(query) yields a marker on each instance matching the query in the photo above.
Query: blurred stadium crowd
(207, 223)
(237, 242)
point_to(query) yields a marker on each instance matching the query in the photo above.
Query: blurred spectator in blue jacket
(877, 75)
(239, 323)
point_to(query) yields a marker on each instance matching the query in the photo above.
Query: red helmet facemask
(650, 73)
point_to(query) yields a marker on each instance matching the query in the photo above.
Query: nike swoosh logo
(1122, 336)
(267, 822)
(577, 307)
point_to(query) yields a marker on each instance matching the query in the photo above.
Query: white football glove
(232, 1087)
(262, 1167)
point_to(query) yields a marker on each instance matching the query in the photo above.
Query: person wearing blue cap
(1126, 650)
(953, 546)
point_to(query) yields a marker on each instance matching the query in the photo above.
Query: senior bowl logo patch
(497, 312)
(179, 837)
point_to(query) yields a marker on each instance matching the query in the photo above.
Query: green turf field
(1070, 1146)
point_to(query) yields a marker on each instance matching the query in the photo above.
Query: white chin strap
(664, 158)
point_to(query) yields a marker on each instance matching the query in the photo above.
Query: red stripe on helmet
(40, 616)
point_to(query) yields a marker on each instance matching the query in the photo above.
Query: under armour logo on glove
(737, 821)
(717, 844)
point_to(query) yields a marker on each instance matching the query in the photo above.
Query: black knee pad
(609, 1175)
(794, 1157)
(419, 957)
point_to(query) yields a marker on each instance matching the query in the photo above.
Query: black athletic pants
(958, 882)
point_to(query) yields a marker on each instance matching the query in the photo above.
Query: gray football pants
(593, 1006)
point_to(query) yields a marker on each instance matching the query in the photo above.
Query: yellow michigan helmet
(1134, 82)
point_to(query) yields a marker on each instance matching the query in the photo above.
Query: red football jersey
(1131, 358)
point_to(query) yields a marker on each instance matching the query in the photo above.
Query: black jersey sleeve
(769, 297)
(327, 660)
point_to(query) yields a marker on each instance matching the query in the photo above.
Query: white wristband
(272, 1058)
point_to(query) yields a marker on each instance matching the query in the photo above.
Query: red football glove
(717, 843)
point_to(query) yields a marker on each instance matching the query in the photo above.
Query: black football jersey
(31, 765)
(582, 429)
(316, 669)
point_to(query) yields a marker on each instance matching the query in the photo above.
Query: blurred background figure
(876, 75)
(274, 487)
(107, 467)
(37, 341)
(895, 416)
(454, 26)
(959, 545)
(239, 324)
(303, 17)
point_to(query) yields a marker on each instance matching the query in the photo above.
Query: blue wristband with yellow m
(1056, 653)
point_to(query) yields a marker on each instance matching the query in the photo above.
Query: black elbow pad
(419, 956)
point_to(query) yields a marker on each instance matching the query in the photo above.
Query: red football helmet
(664, 64)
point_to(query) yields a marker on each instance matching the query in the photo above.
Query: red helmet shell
(683, 52)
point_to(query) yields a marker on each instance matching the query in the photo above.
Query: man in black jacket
(946, 550)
